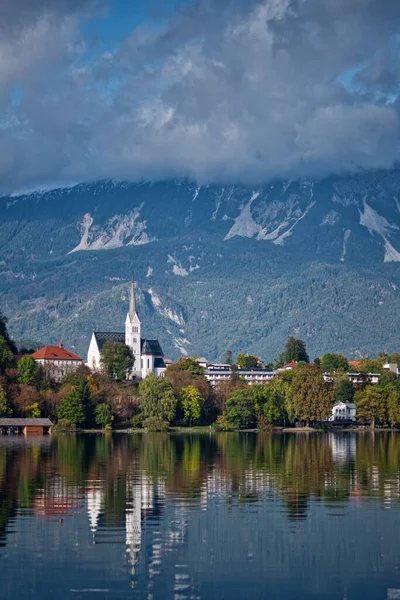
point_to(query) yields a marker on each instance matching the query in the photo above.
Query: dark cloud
(224, 91)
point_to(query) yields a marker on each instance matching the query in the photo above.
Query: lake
(202, 516)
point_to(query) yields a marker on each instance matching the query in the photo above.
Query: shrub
(155, 424)
(263, 424)
(137, 421)
(64, 426)
(222, 424)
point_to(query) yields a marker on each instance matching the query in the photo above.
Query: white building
(343, 411)
(57, 361)
(215, 373)
(149, 357)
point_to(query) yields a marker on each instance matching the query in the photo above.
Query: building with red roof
(57, 361)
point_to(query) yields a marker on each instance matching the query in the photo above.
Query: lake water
(235, 516)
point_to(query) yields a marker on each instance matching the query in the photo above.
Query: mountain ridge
(217, 266)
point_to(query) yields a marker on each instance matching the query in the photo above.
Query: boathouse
(25, 426)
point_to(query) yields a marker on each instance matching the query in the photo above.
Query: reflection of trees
(65, 473)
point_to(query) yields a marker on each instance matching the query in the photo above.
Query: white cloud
(239, 90)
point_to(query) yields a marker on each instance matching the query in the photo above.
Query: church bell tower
(133, 330)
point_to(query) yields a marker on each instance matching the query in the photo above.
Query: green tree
(330, 363)
(312, 400)
(6, 355)
(5, 410)
(71, 408)
(394, 358)
(33, 410)
(157, 398)
(27, 371)
(343, 390)
(5, 335)
(240, 408)
(246, 361)
(117, 360)
(192, 402)
(295, 350)
(103, 415)
(228, 357)
(371, 405)
(393, 408)
(192, 365)
(268, 402)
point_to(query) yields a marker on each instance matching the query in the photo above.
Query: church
(149, 357)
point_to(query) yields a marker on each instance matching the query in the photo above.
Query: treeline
(184, 397)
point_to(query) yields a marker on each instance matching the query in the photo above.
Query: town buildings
(343, 411)
(149, 357)
(57, 361)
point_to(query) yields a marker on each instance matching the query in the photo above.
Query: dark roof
(148, 346)
(24, 422)
(103, 337)
(152, 347)
(159, 363)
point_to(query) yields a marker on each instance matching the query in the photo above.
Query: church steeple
(133, 329)
(132, 301)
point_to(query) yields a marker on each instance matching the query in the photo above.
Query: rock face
(217, 267)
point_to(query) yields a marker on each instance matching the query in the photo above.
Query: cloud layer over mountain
(224, 91)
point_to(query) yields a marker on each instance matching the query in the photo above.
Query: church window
(148, 363)
(135, 329)
(134, 340)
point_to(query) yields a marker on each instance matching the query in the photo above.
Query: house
(26, 426)
(290, 366)
(392, 368)
(343, 411)
(148, 354)
(57, 361)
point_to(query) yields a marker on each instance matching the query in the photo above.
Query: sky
(212, 90)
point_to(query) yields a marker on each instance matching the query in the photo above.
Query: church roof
(159, 363)
(152, 347)
(103, 337)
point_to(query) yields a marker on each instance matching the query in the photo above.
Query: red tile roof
(55, 353)
(290, 365)
(355, 363)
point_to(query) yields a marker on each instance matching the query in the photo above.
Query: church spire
(132, 302)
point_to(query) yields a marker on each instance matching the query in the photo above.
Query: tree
(5, 410)
(192, 402)
(192, 365)
(393, 408)
(240, 408)
(33, 410)
(268, 402)
(394, 358)
(28, 370)
(71, 408)
(157, 398)
(329, 363)
(246, 361)
(311, 399)
(103, 415)
(228, 357)
(295, 350)
(371, 405)
(343, 390)
(6, 356)
(117, 360)
(5, 335)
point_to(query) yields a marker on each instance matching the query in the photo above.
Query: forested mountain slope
(216, 267)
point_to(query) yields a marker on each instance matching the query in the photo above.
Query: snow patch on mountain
(281, 239)
(149, 272)
(177, 268)
(244, 225)
(332, 218)
(391, 254)
(119, 231)
(374, 222)
(166, 312)
(181, 343)
(346, 238)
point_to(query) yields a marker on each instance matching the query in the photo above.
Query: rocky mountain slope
(216, 267)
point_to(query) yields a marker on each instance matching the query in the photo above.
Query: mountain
(216, 267)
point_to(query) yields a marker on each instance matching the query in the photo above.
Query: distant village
(125, 368)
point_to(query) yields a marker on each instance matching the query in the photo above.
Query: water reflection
(181, 516)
